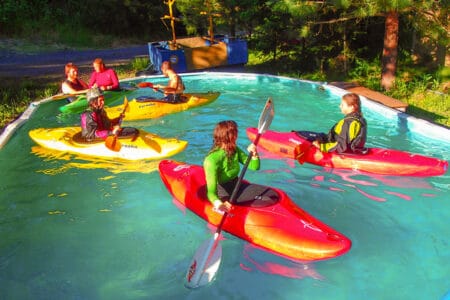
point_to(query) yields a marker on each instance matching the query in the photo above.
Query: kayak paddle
(206, 261)
(111, 141)
(146, 84)
(152, 143)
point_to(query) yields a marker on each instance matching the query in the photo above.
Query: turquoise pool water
(74, 228)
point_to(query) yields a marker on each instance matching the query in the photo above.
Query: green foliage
(366, 73)
(140, 63)
(15, 96)
(41, 18)
(444, 73)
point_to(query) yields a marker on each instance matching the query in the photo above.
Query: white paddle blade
(266, 116)
(205, 264)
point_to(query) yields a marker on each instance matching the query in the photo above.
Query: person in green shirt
(222, 166)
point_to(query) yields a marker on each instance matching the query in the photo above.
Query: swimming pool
(78, 228)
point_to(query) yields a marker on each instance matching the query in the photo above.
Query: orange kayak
(279, 226)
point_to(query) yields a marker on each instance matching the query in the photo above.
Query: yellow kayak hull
(146, 145)
(155, 108)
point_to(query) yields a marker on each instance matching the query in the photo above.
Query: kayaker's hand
(222, 207)
(316, 144)
(252, 149)
(116, 130)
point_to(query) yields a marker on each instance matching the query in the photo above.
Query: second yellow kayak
(139, 109)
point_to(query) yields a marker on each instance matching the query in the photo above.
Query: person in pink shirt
(103, 78)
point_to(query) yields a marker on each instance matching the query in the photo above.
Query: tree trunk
(232, 26)
(389, 59)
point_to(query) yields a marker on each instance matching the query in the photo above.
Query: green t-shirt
(219, 169)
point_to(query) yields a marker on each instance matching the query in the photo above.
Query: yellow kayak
(149, 108)
(144, 145)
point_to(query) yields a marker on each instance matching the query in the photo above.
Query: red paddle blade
(145, 84)
(300, 153)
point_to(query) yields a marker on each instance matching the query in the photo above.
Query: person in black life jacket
(349, 134)
(95, 122)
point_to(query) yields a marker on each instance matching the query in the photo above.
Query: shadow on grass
(428, 116)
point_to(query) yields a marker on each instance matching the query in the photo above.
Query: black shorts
(249, 194)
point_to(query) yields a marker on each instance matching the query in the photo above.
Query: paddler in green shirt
(222, 165)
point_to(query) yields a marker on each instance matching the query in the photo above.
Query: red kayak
(376, 160)
(276, 225)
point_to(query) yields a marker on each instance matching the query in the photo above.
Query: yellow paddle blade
(152, 143)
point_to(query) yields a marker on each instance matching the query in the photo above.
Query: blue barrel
(159, 52)
(237, 51)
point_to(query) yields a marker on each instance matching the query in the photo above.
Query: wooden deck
(371, 95)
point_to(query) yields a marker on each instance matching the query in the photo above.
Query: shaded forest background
(322, 34)
(329, 36)
(391, 46)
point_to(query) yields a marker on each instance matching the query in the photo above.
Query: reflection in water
(291, 269)
(358, 181)
(85, 162)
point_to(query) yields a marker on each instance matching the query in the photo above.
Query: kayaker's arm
(211, 180)
(254, 161)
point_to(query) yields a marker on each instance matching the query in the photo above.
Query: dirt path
(51, 64)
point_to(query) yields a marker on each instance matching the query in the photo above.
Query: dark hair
(352, 99)
(225, 135)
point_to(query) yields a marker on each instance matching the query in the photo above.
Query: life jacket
(355, 144)
(95, 124)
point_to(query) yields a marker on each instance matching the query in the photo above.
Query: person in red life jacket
(349, 134)
(95, 122)
(175, 87)
(104, 78)
(73, 85)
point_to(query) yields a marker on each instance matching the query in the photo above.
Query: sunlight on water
(77, 227)
(86, 162)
